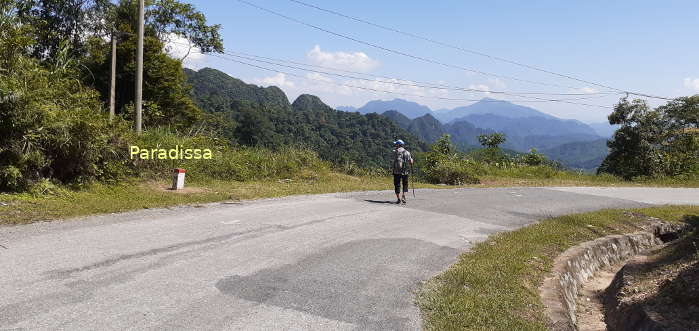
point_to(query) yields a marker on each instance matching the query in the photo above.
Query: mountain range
(252, 115)
(571, 142)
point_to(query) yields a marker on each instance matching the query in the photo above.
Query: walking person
(402, 163)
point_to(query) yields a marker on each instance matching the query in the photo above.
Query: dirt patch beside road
(658, 289)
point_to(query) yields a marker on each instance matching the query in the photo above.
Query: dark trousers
(397, 179)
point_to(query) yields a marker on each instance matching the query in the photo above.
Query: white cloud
(357, 61)
(588, 90)
(480, 87)
(692, 83)
(181, 48)
(278, 80)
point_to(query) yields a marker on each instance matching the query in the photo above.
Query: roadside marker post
(178, 179)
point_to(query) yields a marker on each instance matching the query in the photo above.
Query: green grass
(546, 176)
(495, 285)
(139, 194)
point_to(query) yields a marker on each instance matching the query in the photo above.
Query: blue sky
(645, 46)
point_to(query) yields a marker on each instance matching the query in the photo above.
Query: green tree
(444, 146)
(254, 129)
(82, 27)
(61, 23)
(15, 38)
(166, 94)
(73, 22)
(492, 140)
(653, 142)
(492, 153)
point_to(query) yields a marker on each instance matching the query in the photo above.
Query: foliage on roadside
(445, 165)
(51, 126)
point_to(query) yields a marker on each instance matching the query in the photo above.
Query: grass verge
(100, 198)
(495, 285)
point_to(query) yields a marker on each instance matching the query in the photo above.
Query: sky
(640, 46)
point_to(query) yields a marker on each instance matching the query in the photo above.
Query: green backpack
(398, 161)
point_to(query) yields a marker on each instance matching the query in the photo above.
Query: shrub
(442, 165)
(533, 158)
(451, 172)
(53, 127)
(490, 155)
(227, 162)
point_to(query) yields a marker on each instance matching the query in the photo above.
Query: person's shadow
(381, 201)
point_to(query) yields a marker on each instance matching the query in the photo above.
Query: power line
(412, 85)
(393, 92)
(431, 84)
(461, 89)
(395, 80)
(452, 66)
(470, 51)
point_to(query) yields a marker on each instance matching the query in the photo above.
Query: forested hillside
(218, 91)
(579, 155)
(263, 116)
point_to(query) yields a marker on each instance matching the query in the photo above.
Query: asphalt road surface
(323, 262)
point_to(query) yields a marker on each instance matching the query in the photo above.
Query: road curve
(324, 262)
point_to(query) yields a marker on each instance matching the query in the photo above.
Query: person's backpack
(398, 160)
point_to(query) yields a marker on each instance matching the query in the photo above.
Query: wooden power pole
(112, 79)
(139, 68)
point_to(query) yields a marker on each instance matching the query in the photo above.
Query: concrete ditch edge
(577, 264)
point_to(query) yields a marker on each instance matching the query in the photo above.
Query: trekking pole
(413, 171)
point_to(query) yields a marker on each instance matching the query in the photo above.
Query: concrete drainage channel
(578, 264)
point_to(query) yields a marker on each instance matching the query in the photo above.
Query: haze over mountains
(572, 142)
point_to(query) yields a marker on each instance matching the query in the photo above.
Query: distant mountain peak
(405, 107)
(308, 102)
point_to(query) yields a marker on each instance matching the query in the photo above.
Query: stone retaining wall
(577, 264)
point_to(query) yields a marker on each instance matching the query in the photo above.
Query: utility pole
(112, 80)
(139, 67)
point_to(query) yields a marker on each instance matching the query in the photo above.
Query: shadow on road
(381, 201)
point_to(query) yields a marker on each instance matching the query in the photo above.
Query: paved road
(338, 261)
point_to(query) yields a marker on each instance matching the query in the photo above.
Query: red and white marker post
(178, 179)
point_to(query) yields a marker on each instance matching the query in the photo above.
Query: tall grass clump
(227, 162)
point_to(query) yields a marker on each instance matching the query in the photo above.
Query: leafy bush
(491, 155)
(452, 172)
(442, 165)
(533, 158)
(51, 126)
